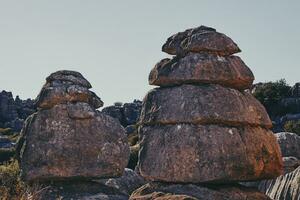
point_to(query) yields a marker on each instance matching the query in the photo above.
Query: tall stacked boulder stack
(67, 139)
(201, 126)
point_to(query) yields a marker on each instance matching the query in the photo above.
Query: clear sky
(114, 44)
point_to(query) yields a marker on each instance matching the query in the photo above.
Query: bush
(270, 93)
(292, 126)
(11, 186)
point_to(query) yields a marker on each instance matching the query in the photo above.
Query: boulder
(284, 187)
(203, 104)
(161, 191)
(289, 144)
(67, 139)
(290, 164)
(126, 184)
(200, 39)
(65, 142)
(66, 76)
(200, 68)
(213, 154)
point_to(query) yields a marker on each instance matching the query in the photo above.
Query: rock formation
(286, 186)
(200, 126)
(289, 144)
(127, 113)
(13, 112)
(67, 139)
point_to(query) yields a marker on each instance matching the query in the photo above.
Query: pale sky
(115, 44)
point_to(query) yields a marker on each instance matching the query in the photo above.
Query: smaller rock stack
(67, 139)
(201, 127)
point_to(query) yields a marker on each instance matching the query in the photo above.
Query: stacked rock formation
(67, 138)
(200, 126)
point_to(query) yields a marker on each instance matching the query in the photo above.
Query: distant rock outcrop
(127, 113)
(13, 112)
(201, 127)
(67, 139)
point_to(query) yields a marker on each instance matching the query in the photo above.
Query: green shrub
(292, 126)
(270, 93)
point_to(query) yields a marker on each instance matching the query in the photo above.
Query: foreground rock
(284, 187)
(160, 191)
(201, 127)
(67, 139)
(232, 154)
(202, 68)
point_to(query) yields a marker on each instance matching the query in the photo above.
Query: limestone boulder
(71, 141)
(200, 68)
(200, 39)
(203, 104)
(212, 154)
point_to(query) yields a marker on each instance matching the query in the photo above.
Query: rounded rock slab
(57, 144)
(54, 95)
(202, 68)
(161, 191)
(208, 154)
(200, 39)
(69, 76)
(203, 104)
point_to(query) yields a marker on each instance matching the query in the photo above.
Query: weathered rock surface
(126, 184)
(290, 164)
(13, 112)
(200, 39)
(66, 76)
(81, 191)
(286, 187)
(160, 191)
(202, 68)
(67, 139)
(63, 93)
(289, 144)
(203, 104)
(211, 153)
(58, 145)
